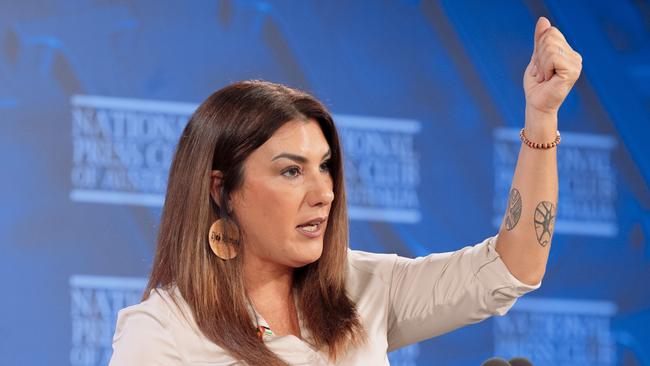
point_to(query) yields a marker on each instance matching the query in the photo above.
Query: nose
(321, 191)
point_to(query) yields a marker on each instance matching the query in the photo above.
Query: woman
(253, 266)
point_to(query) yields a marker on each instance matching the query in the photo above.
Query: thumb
(542, 25)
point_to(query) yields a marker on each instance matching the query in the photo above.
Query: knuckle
(543, 39)
(548, 48)
(550, 33)
(575, 72)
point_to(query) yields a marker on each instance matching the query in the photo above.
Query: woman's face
(286, 196)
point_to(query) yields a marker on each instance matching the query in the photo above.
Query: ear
(216, 180)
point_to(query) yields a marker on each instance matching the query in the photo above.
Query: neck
(267, 283)
(270, 289)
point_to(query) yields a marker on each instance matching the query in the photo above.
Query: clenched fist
(552, 70)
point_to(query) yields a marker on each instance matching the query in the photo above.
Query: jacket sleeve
(142, 338)
(432, 295)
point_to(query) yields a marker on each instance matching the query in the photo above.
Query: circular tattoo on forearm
(513, 212)
(545, 214)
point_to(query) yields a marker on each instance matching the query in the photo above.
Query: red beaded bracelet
(537, 145)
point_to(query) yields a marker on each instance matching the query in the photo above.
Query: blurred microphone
(496, 361)
(520, 361)
(517, 361)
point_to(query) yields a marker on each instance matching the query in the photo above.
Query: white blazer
(400, 301)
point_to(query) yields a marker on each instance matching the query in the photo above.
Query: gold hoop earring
(224, 239)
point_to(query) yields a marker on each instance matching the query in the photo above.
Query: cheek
(268, 212)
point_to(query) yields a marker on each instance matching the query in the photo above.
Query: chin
(308, 255)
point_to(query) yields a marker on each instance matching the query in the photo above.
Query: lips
(312, 228)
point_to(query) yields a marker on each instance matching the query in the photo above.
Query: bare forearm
(525, 235)
(527, 228)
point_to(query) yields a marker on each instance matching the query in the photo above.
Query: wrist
(540, 125)
(539, 145)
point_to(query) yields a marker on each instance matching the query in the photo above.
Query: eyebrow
(299, 158)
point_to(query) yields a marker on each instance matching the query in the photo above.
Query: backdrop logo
(587, 181)
(557, 332)
(382, 168)
(122, 150)
(95, 302)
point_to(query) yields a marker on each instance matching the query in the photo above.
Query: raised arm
(526, 231)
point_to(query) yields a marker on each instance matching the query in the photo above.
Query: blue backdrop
(428, 98)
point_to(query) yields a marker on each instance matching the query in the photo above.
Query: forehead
(297, 136)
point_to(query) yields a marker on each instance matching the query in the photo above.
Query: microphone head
(520, 361)
(496, 361)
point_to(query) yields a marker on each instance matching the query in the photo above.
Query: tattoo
(545, 214)
(513, 212)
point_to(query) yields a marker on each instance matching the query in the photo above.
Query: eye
(325, 166)
(291, 172)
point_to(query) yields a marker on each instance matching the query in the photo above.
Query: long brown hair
(224, 130)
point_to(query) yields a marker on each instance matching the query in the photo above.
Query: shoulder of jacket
(379, 265)
(159, 306)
